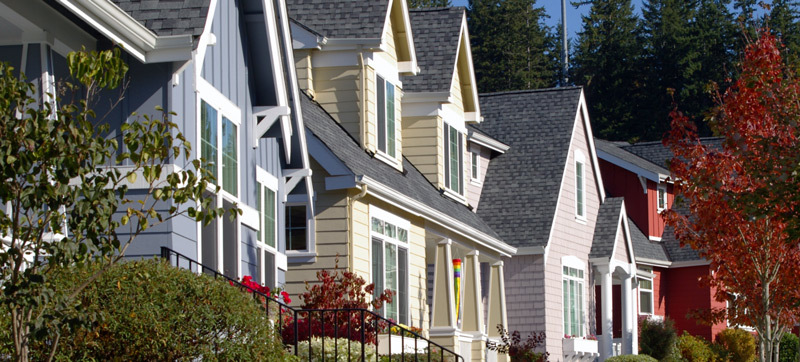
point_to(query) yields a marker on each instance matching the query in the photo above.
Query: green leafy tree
(428, 3)
(607, 62)
(65, 189)
(511, 46)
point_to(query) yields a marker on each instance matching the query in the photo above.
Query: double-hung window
(390, 263)
(453, 164)
(572, 280)
(386, 117)
(219, 145)
(580, 186)
(662, 198)
(645, 295)
(267, 236)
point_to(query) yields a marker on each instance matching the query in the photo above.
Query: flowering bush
(335, 350)
(349, 294)
(276, 294)
(512, 346)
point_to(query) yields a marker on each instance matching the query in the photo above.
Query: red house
(668, 275)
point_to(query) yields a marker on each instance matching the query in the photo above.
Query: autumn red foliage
(351, 297)
(742, 196)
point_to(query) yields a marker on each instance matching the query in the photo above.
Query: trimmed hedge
(694, 349)
(739, 345)
(790, 345)
(632, 358)
(657, 338)
(150, 311)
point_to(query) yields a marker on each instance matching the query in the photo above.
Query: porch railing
(368, 329)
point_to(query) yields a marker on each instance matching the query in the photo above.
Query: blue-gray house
(226, 68)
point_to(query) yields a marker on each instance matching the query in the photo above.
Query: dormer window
(386, 126)
(662, 198)
(453, 163)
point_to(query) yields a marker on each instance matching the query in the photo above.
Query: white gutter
(135, 38)
(673, 264)
(487, 142)
(650, 175)
(417, 208)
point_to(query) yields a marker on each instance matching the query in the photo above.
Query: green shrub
(694, 349)
(656, 338)
(151, 311)
(790, 345)
(632, 358)
(737, 345)
(336, 349)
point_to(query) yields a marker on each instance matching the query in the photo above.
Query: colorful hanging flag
(457, 280)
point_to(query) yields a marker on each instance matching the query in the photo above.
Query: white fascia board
(690, 263)
(623, 218)
(488, 142)
(332, 164)
(530, 250)
(650, 175)
(582, 110)
(352, 44)
(653, 262)
(409, 67)
(426, 97)
(464, 35)
(135, 38)
(302, 38)
(387, 194)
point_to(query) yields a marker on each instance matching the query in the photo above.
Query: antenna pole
(564, 44)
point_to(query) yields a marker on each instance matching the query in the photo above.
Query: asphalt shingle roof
(658, 154)
(436, 33)
(168, 17)
(520, 191)
(643, 247)
(671, 243)
(606, 228)
(410, 183)
(618, 150)
(348, 19)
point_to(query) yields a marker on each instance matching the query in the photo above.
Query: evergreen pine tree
(784, 21)
(512, 48)
(607, 63)
(428, 3)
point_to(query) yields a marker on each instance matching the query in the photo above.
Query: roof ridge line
(523, 91)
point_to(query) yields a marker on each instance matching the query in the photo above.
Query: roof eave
(135, 38)
(488, 142)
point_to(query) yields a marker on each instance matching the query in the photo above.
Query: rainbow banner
(457, 280)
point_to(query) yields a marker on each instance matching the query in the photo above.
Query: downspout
(350, 237)
(363, 72)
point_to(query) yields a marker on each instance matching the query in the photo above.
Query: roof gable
(169, 17)
(612, 221)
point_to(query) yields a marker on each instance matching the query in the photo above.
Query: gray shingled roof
(349, 19)
(618, 150)
(606, 228)
(671, 243)
(410, 183)
(436, 33)
(658, 154)
(643, 247)
(520, 191)
(168, 17)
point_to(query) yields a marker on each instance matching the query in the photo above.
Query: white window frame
(580, 186)
(381, 81)
(573, 263)
(399, 223)
(309, 227)
(475, 165)
(659, 198)
(266, 181)
(650, 291)
(458, 194)
(205, 92)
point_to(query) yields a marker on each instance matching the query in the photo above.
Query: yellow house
(377, 211)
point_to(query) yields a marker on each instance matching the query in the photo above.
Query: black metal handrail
(290, 329)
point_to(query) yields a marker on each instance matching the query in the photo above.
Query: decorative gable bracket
(265, 117)
(292, 177)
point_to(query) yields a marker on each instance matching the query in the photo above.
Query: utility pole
(564, 44)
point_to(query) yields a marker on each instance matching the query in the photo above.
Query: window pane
(402, 288)
(381, 88)
(579, 187)
(391, 279)
(579, 332)
(208, 138)
(662, 198)
(377, 265)
(460, 163)
(296, 228)
(230, 161)
(391, 231)
(390, 119)
(377, 225)
(402, 235)
(474, 165)
(269, 218)
(454, 160)
(260, 213)
(565, 290)
(573, 307)
(645, 302)
(646, 284)
(446, 155)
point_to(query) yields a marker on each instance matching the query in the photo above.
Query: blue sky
(553, 8)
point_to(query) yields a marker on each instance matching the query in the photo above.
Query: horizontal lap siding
(421, 145)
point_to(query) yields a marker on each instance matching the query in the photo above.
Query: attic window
(662, 198)
(385, 110)
(453, 163)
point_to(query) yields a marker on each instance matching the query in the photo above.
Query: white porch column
(635, 315)
(473, 307)
(606, 313)
(497, 304)
(627, 316)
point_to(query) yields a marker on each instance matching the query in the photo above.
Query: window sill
(389, 160)
(580, 219)
(455, 196)
(476, 182)
(300, 257)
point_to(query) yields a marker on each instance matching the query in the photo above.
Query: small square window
(296, 228)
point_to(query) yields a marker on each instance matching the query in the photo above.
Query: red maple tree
(742, 195)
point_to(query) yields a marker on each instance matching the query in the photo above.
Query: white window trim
(204, 91)
(661, 187)
(574, 262)
(580, 158)
(375, 212)
(379, 154)
(310, 251)
(270, 182)
(476, 179)
(460, 197)
(639, 289)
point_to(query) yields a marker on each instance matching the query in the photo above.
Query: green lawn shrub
(656, 337)
(790, 345)
(632, 358)
(694, 349)
(150, 311)
(737, 345)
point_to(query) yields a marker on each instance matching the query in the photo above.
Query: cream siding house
(375, 211)
(545, 196)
